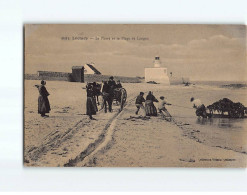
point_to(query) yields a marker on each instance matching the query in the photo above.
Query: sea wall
(31, 77)
(49, 76)
(99, 78)
(57, 76)
(64, 76)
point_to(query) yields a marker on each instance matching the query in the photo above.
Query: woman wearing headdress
(43, 102)
(149, 105)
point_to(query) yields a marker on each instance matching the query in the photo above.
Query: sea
(226, 133)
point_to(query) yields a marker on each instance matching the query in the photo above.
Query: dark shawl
(149, 105)
(43, 102)
(91, 103)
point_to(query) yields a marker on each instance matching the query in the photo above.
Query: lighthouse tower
(157, 62)
(157, 73)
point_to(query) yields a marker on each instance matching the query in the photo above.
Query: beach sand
(122, 139)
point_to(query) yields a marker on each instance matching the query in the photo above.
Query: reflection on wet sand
(222, 122)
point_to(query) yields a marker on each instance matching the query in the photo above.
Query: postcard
(135, 95)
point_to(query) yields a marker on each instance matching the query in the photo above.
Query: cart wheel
(123, 98)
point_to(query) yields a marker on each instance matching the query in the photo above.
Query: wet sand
(69, 138)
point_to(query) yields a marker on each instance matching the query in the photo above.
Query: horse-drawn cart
(120, 96)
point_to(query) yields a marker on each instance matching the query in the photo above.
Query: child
(161, 107)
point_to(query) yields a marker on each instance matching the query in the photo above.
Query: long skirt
(95, 104)
(91, 106)
(43, 105)
(150, 109)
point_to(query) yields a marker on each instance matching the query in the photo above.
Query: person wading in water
(199, 106)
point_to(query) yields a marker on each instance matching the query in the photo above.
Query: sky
(201, 52)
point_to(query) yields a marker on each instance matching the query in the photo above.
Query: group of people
(94, 90)
(149, 108)
(106, 90)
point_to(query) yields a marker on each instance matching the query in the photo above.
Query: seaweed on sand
(234, 110)
(152, 82)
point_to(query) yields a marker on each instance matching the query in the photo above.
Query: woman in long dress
(43, 102)
(91, 103)
(149, 105)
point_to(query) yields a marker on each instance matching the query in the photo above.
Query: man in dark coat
(111, 82)
(107, 96)
(112, 87)
(43, 102)
(139, 100)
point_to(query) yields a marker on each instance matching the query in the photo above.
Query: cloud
(202, 57)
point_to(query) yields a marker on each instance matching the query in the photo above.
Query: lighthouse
(157, 73)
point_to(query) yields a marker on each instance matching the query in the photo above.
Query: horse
(96, 90)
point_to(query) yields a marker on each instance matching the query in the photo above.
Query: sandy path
(67, 135)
